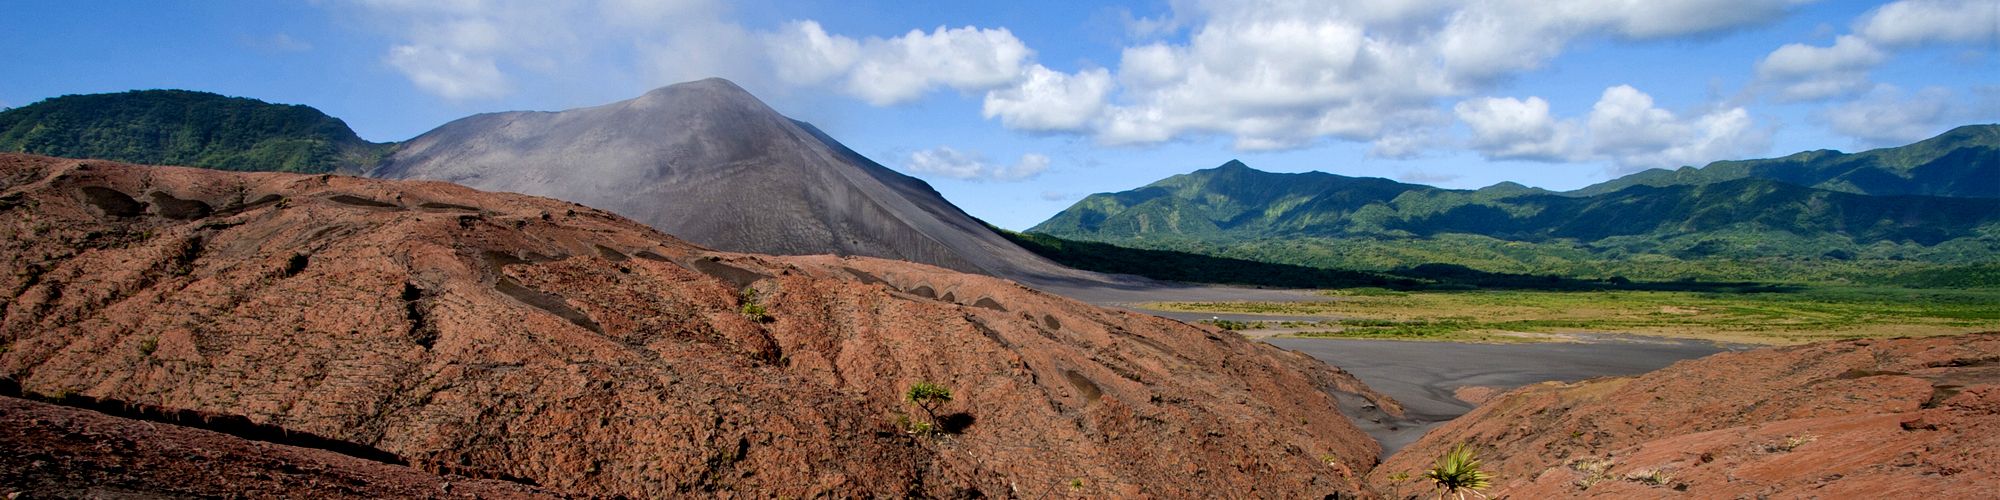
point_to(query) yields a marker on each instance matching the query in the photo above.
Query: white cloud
(1624, 127)
(1514, 129)
(1496, 38)
(1915, 22)
(1265, 74)
(804, 54)
(1279, 74)
(484, 49)
(1806, 72)
(1624, 122)
(943, 161)
(448, 73)
(901, 69)
(1049, 100)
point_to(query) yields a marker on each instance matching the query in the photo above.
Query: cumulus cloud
(449, 73)
(1804, 72)
(1279, 74)
(944, 161)
(900, 69)
(804, 54)
(1513, 129)
(1049, 100)
(1916, 22)
(1264, 74)
(1808, 72)
(1624, 127)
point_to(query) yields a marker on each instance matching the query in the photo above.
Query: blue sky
(1016, 109)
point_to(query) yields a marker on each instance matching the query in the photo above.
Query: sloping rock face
(708, 162)
(1906, 418)
(59, 452)
(505, 336)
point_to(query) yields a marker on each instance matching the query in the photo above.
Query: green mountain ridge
(1716, 227)
(188, 128)
(1962, 162)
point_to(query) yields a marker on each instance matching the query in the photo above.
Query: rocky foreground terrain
(60, 452)
(567, 350)
(281, 334)
(1905, 418)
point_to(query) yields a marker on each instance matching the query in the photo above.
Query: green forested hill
(179, 127)
(1235, 203)
(1741, 228)
(1962, 162)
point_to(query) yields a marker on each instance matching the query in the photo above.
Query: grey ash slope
(710, 163)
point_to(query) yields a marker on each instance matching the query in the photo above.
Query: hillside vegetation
(187, 128)
(1962, 162)
(1745, 221)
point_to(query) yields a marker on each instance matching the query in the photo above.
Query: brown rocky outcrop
(1904, 418)
(59, 452)
(497, 335)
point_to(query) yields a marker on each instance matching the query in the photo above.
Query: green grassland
(1789, 317)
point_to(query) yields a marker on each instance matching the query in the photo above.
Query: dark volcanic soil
(1427, 377)
(59, 452)
(1906, 418)
(504, 336)
(710, 163)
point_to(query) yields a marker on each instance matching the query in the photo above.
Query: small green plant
(1650, 477)
(148, 345)
(1230, 325)
(1791, 443)
(1458, 473)
(1396, 484)
(928, 397)
(1076, 483)
(753, 308)
(1594, 471)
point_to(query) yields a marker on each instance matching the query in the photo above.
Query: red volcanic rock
(506, 336)
(58, 452)
(1905, 418)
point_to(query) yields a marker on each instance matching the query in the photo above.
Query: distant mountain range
(710, 163)
(180, 127)
(1937, 200)
(1962, 162)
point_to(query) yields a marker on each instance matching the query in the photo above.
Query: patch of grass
(1650, 477)
(1594, 471)
(1790, 443)
(1459, 473)
(1228, 324)
(753, 307)
(1804, 315)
